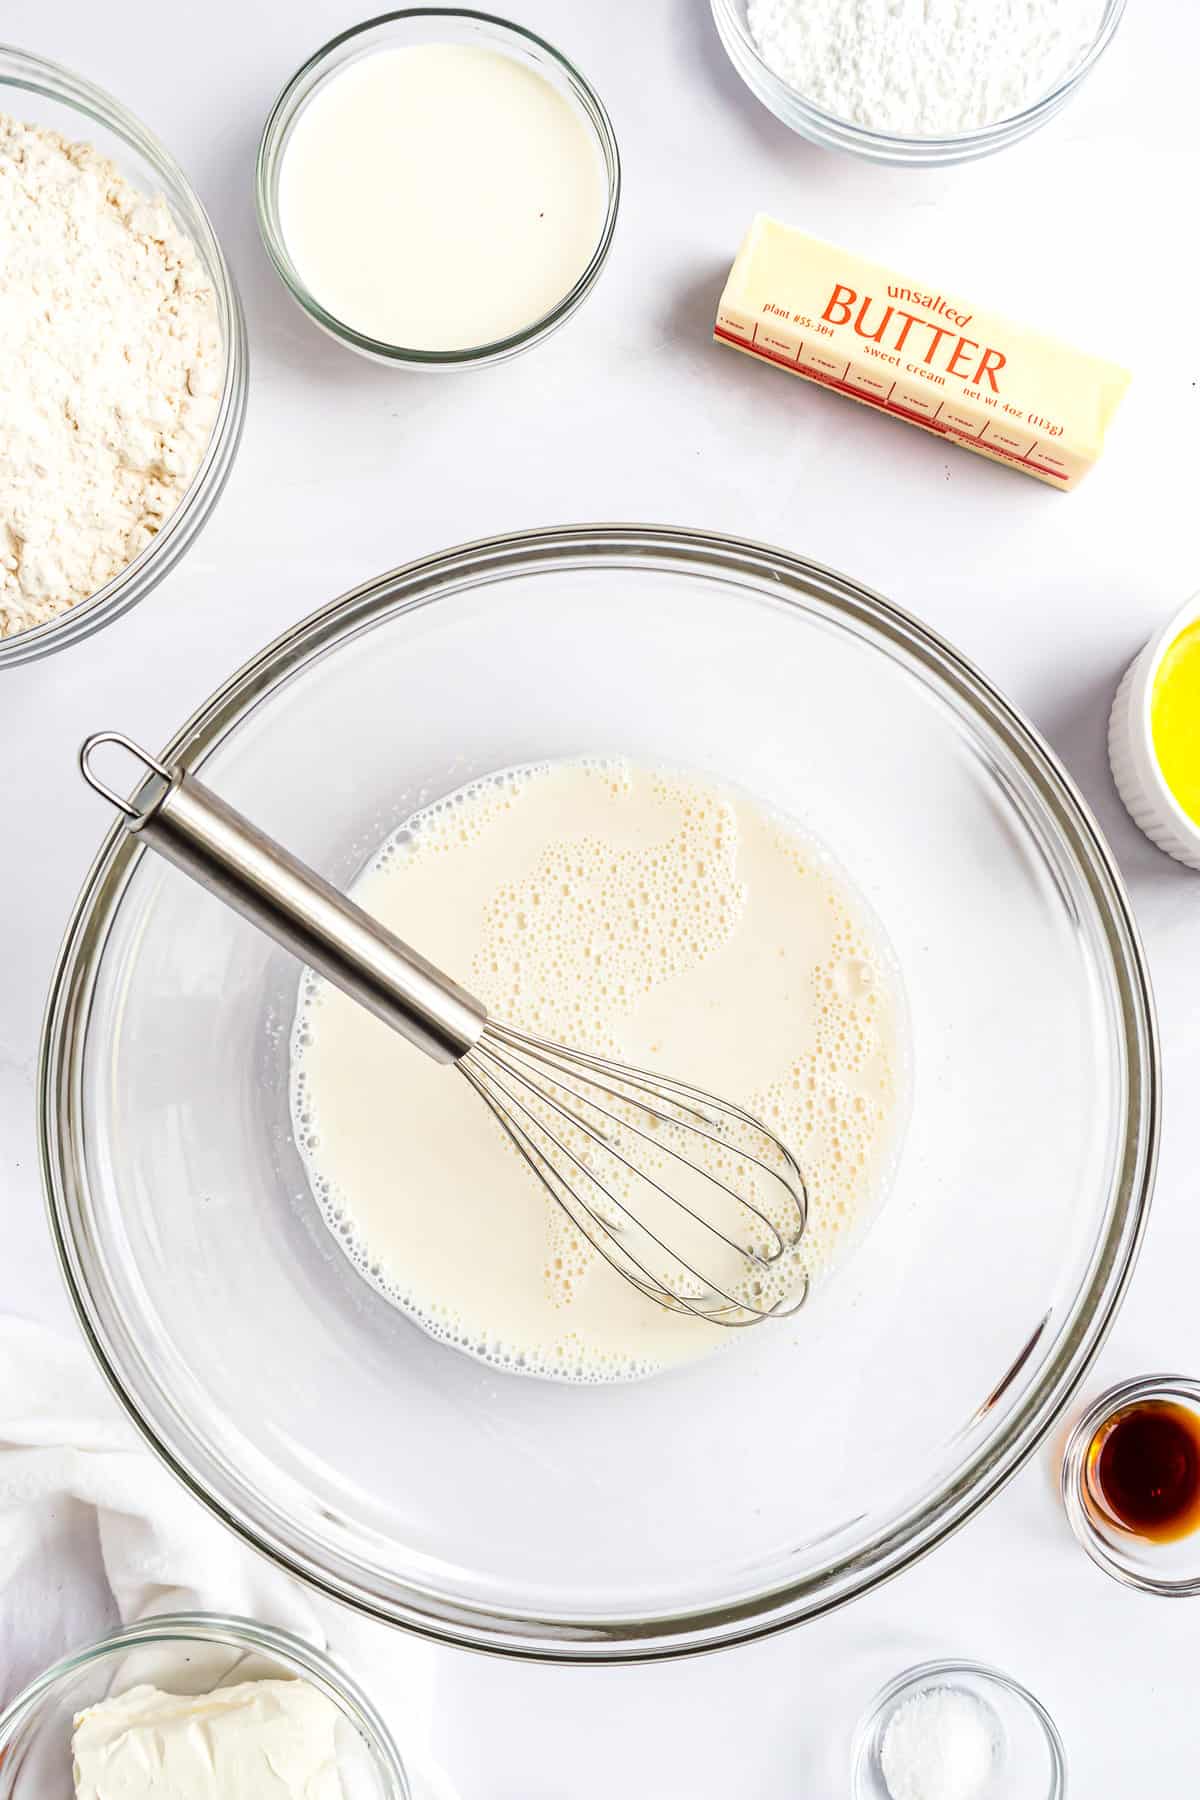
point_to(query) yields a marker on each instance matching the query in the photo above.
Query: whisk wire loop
(557, 1186)
(528, 1081)
(590, 1175)
(514, 1064)
(636, 1083)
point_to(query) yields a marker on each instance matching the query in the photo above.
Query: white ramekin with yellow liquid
(1154, 737)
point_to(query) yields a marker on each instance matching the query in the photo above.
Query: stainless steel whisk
(654, 1172)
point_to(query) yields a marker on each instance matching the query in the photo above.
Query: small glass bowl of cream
(802, 114)
(187, 1654)
(1130, 1483)
(961, 1729)
(1154, 737)
(438, 189)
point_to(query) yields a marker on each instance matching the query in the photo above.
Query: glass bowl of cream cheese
(924, 90)
(438, 188)
(449, 1426)
(218, 1704)
(51, 606)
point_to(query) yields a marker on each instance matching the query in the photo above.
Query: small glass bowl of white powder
(122, 356)
(957, 1731)
(918, 82)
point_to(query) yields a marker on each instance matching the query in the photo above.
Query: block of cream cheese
(260, 1740)
(918, 352)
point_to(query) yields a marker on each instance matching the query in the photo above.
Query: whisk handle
(184, 821)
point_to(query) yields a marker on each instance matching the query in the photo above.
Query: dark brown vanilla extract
(1143, 1470)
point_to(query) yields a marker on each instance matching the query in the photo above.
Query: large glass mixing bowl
(809, 1461)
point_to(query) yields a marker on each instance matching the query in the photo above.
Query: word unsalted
(918, 353)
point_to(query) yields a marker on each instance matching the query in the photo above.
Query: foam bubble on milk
(590, 929)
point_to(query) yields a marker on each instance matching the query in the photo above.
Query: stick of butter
(925, 356)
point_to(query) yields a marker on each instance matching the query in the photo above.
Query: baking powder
(924, 68)
(110, 367)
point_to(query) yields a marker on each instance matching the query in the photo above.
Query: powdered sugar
(110, 368)
(924, 68)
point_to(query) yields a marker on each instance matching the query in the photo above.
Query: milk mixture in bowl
(647, 915)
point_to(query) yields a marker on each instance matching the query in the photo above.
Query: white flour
(923, 68)
(110, 369)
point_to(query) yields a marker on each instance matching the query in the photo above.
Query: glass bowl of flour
(781, 841)
(194, 1655)
(915, 84)
(125, 359)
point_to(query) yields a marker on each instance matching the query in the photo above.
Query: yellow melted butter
(1175, 719)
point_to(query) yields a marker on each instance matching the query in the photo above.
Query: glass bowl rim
(928, 1674)
(401, 356)
(1072, 1475)
(903, 1540)
(905, 147)
(21, 71)
(225, 1628)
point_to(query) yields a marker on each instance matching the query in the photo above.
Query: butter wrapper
(919, 353)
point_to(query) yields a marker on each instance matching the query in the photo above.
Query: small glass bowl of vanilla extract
(1131, 1483)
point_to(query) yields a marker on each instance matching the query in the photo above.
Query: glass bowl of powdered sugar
(124, 359)
(910, 84)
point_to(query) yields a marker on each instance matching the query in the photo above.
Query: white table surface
(631, 413)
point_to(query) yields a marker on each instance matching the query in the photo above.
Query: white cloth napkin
(94, 1531)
